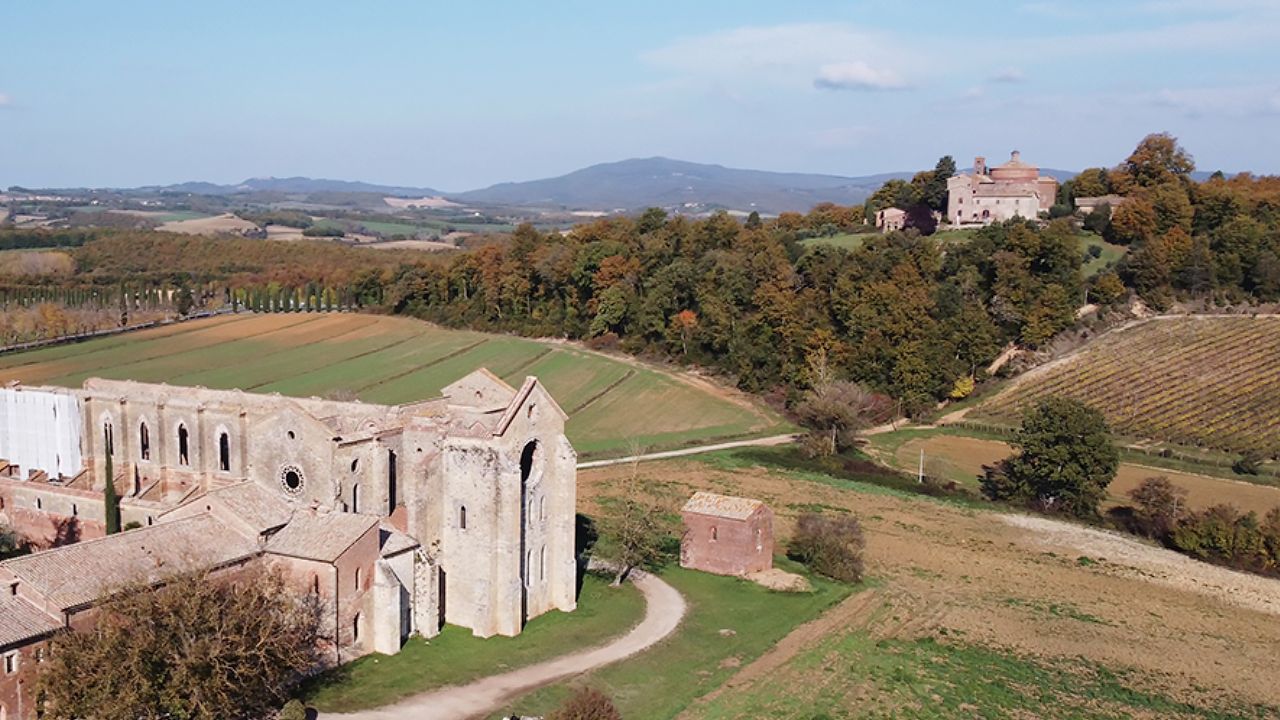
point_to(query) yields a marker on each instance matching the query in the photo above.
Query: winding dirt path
(665, 608)
(756, 442)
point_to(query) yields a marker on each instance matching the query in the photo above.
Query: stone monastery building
(459, 509)
(1014, 189)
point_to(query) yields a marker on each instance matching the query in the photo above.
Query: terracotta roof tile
(76, 575)
(322, 537)
(21, 621)
(725, 506)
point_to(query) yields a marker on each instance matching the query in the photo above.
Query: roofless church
(458, 509)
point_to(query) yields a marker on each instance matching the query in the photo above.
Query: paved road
(663, 612)
(758, 442)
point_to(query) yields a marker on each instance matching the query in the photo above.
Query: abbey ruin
(459, 509)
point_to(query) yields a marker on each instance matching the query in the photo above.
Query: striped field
(1210, 382)
(611, 403)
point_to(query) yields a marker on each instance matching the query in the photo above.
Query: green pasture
(730, 622)
(612, 404)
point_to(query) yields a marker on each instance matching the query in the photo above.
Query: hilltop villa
(458, 509)
(1014, 189)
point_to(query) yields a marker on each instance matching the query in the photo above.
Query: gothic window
(462, 518)
(109, 437)
(357, 588)
(291, 479)
(355, 498)
(315, 584)
(355, 629)
(392, 490)
(542, 508)
(715, 533)
(542, 563)
(144, 442)
(184, 458)
(224, 452)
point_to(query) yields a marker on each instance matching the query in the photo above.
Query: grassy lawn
(456, 656)
(1111, 254)
(853, 675)
(848, 241)
(730, 623)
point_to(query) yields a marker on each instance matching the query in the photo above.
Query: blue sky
(461, 95)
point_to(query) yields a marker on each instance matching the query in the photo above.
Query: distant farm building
(891, 219)
(726, 535)
(1014, 189)
(1087, 205)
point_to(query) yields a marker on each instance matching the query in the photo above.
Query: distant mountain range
(624, 185)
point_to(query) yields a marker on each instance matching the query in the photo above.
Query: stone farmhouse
(726, 535)
(1014, 189)
(458, 509)
(891, 219)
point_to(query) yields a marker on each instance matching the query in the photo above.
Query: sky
(458, 95)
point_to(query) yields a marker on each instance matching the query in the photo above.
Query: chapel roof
(724, 506)
(320, 536)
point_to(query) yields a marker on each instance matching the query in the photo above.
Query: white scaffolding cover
(40, 430)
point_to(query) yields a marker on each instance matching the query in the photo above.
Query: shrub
(1159, 506)
(829, 545)
(587, 704)
(1250, 463)
(293, 710)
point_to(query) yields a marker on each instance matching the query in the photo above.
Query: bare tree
(635, 526)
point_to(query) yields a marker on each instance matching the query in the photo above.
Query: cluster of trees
(830, 545)
(1220, 534)
(30, 238)
(921, 198)
(50, 320)
(1218, 239)
(197, 647)
(897, 314)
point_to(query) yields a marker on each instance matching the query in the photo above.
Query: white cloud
(789, 55)
(1009, 75)
(857, 75)
(5, 100)
(1237, 102)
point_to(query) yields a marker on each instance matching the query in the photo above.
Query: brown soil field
(1038, 587)
(967, 455)
(428, 245)
(225, 223)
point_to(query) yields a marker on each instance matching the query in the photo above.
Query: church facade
(458, 509)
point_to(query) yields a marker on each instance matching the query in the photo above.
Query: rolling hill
(663, 182)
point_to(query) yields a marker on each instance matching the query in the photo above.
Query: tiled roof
(393, 541)
(21, 621)
(255, 505)
(725, 506)
(322, 537)
(75, 575)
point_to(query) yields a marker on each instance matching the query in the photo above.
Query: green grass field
(611, 403)
(701, 655)
(1111, 254)
(455, 656)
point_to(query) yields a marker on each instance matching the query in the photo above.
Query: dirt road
(664, 611)
(757, 442)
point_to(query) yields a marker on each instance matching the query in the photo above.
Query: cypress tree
(111, 501)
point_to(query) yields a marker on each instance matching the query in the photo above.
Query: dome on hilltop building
(1015, 170)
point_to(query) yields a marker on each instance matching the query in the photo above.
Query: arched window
(355, 498)
(315, 584)
(759, 540)
(224, 452)
(542, 508)
(355, 628)
(542, 563)
(462, 518)
(392, 490)
(715, 533)
(357, 579)
(528, 568)
(144, 442)
(109, 437)
(184, 458)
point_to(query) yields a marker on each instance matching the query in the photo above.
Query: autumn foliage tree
(198, 647)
